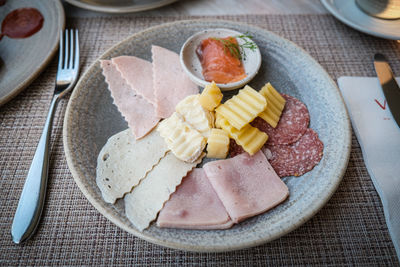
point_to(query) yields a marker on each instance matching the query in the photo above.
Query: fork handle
(33, 194)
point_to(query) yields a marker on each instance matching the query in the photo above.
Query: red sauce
(218, 63)
(22, 23)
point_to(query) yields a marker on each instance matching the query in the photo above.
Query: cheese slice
(147, 199)
(195, 115)
(242, 108)
(249, 138)
(186, 143)
(275, 105)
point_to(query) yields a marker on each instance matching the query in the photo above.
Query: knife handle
(33, 194)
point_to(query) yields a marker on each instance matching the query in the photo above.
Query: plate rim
(195, 248)
(20, 87)
(338, 15)
(120, 10)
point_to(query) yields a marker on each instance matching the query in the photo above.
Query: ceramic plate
(91, 118)
(119, 6)
(349, 13)
(22, 60)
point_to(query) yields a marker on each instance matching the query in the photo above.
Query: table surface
(349, 230)
(219, 7)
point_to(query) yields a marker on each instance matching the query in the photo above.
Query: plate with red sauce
(229, 58)
(29, 36)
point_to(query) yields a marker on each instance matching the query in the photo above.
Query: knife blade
(390, 87)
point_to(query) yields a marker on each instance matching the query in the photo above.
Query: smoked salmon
(221, 60)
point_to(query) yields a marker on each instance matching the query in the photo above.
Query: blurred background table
(219, 7)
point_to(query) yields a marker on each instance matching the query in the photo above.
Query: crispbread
(124, 161)
(147, 199)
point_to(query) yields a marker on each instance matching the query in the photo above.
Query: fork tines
(68, 57)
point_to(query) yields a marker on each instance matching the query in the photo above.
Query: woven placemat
(349, 230)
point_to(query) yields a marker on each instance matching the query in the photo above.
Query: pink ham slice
(194, 205)
(247, 185)
(138, 112)
(138, 74)
(170, 82)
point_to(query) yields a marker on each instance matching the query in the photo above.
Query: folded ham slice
(138, 112)
(247, 185)
(171, 84)
(138, 74)
(194, 205)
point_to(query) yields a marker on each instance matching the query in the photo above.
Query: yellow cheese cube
(242, 108)
(249, 138)
(275, 105)
(211, 96)
(218, 144)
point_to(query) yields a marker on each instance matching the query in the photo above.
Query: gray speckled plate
(22, 60)
(91, 119)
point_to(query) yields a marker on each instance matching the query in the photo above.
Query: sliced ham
(170, 82)
(138, 112)
(247, 185)
(194, 205)
(138, 74)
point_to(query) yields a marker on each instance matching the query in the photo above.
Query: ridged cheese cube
(218, 144)
(211, 96)
(275, 105)
(242, 108)
(186, 143)
(195, 115)
(249, 138)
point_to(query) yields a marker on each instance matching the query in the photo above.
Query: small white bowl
(192, 66)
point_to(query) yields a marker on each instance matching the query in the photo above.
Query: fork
(32, 198)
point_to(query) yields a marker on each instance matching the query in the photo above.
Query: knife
(390, 88)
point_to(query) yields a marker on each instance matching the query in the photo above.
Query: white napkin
(379, 138)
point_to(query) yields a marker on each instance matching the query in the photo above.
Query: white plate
(349, 13)
(192, 65)
(119, 6)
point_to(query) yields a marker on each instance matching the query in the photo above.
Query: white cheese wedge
(186, 143)
(195, 115)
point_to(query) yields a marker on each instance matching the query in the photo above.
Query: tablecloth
(349, 230)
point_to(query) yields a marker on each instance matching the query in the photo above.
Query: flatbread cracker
(147, 199)
(124, 161)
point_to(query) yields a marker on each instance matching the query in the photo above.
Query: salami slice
(292, 124)
(297, 158)
(235, 149)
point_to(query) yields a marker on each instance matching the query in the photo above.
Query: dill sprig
(238, 50)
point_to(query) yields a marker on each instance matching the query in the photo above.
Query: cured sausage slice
(235, 149)
(292, 124)
(297, 158)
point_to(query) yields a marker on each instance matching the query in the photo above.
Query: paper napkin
(379, 138)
